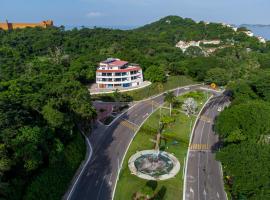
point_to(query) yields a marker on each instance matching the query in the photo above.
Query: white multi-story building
(115, 73)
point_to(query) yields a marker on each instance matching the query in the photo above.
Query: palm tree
(170, 98)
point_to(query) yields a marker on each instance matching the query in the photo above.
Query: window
(133, 72)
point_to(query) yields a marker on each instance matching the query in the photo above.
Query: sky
(134, 12)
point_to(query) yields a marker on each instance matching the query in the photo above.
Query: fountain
(154, 164)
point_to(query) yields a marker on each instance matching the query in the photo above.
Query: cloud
(94, 14)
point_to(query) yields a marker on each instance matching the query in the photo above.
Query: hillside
(174, 28)
(44, 75)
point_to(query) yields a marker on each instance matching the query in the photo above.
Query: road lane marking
(199, 159)
(199, 147)
(101, 187)
(110, 181)
(136, 125)
(190, 141)
(204, 193)
(205, 119)
(145, 115)
(129, 125)
(84, 166)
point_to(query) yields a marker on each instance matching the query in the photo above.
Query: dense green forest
(245, 131)
(44, 98)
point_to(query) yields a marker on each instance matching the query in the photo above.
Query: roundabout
(154, 165)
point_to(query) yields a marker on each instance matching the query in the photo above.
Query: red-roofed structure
(116, 73)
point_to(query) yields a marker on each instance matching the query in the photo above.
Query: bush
(53, 181)
(155, 74)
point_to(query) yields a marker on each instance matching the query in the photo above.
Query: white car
(219, 109)
(186, 88)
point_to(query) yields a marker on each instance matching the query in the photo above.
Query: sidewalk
(94, 90)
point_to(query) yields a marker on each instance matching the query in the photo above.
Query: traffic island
(173, 139)
(154, 165)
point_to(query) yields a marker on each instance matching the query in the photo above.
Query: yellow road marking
(128, 125)
(205, 119)
(199, 147)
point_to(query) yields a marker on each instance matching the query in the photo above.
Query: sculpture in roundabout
(154, 164)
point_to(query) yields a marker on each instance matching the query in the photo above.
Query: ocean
(259, 30)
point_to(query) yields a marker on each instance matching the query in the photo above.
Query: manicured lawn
(153, 89)
(156, 88)
(177, 141)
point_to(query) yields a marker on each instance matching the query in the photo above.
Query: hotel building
(115, 73)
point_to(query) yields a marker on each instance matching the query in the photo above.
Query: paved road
(109, 145)
(204, 175)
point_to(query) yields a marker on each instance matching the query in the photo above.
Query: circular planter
(154, 165)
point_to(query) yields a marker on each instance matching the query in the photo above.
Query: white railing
(120, 82)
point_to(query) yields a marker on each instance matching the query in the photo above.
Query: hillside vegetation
(44, 73)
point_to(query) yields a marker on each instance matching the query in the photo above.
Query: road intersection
(98, 177)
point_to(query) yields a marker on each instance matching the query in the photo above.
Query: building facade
(10, 26)
(115, 73)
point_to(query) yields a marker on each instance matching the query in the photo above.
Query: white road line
(210, 131)
(199, 159)
(114, 188)
(213, 110)
(145, 115)
(100, 189)
(190, 142)
(110, 182)
(135, 103)
(88, 159)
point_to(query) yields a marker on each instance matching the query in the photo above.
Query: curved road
(204, 174)
(98, 178)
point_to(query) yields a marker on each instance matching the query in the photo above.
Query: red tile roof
(120, 70)
(118, 63)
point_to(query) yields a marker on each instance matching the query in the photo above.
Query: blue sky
(134, 12)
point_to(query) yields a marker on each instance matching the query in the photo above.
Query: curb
(190, 140)
(71, 188)
(128, 149)
(142, 125)
(125, 90)
(83, 165)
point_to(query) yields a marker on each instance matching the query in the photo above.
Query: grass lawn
(153, 89)
(177, 141)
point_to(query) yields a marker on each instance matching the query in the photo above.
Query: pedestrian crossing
(199, 147)
(128, 125)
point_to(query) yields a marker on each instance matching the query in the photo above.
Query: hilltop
(43, 88)
(179, 28)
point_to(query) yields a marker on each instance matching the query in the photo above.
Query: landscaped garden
(174, 140)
